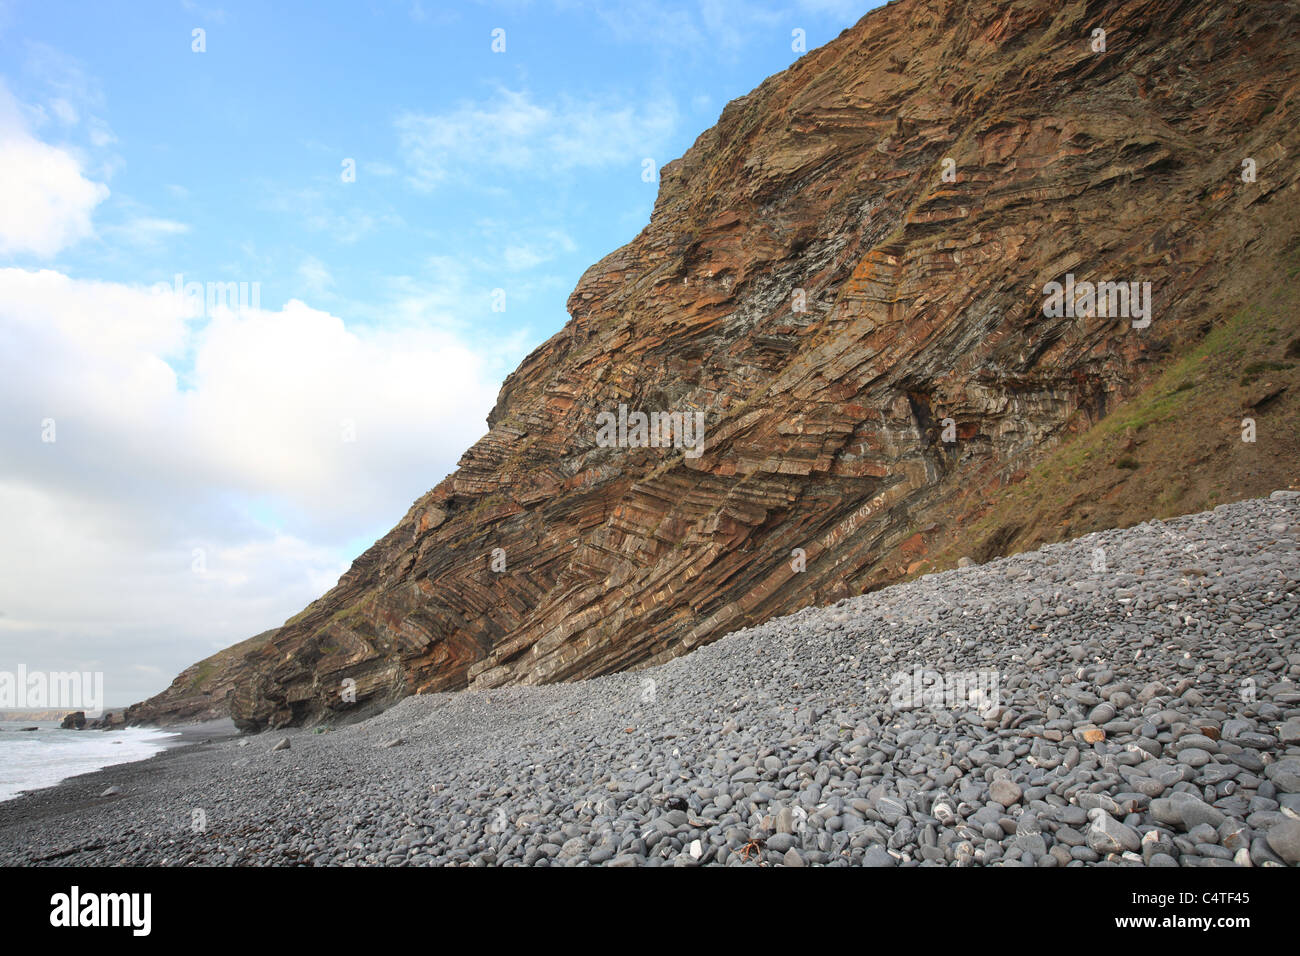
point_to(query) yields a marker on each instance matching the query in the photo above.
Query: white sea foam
(42, 758)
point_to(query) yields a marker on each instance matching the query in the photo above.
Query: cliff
(846, 276)
(202, 691)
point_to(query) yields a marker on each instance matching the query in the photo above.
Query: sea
(30, 760)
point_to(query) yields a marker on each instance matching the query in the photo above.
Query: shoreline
(84, 790)
(186, 734)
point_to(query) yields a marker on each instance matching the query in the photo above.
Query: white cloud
(147, 230)
(348, 226)
(315, 277)
(46, 201)
(515, 132)
(522, 256)
(65, 111)
(64, 76)
(87, 590)
(73, 97)
(322, 210)
(286, 434)
(410, 396)
(211, 14)
(265, 400)
(100, 136)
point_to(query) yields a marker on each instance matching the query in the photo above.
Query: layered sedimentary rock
(201, 692)
(846, 276)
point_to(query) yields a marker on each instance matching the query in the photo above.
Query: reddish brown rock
(201, 692)
(825, 428)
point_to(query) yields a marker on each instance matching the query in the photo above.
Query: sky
(263, 268)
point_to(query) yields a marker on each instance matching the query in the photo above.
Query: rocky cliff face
(846, 277)
(202, 691)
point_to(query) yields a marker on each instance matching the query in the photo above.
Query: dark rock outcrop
(108, 721)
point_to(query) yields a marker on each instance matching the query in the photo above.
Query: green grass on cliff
(1174, 448)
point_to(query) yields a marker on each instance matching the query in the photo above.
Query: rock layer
(202, 691)
(921, 378)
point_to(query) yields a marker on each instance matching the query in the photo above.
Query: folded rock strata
(826, 426)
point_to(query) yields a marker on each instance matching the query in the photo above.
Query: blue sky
(174, 480)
